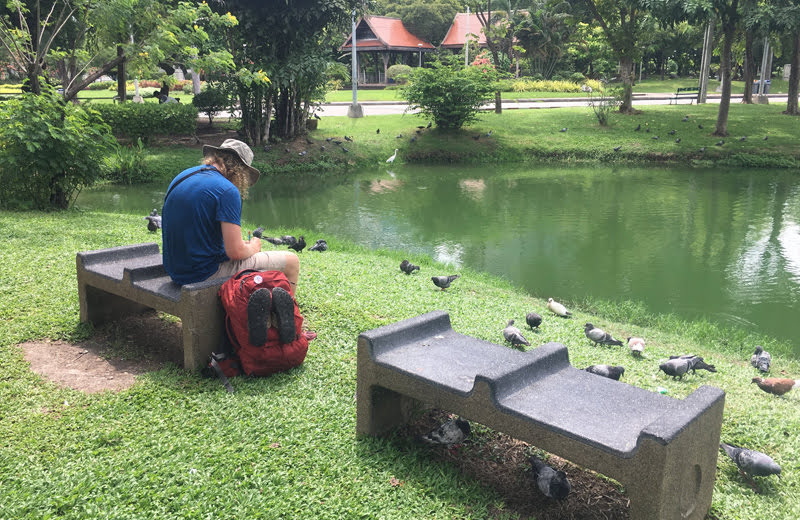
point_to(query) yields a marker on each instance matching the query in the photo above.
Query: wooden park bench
(116, 282)
(685, 92)
(663, 450)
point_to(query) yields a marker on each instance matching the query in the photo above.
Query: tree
(622, 22)
(543, 31)
(426, 20)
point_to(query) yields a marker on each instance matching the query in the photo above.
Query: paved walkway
(373, 108)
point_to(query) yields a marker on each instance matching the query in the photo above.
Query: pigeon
(655, 137)
(413, 139)
(700, 127)
(420, 127)
(720, 142)
(398, 136)
(617, 148)
(766, 137)
(321, 245)
(258, 232)
(274, 240)
(696, 363)
(514, 336)
(287, 150)
(348, 139)
(636, 345)
(430, 123)
(489, 133)
(776, 385)
(336, 141)
(476, 137)
(443, 282)
(299, 244)
(743, 138)
(316, 116)
(391, 159)
(685, 119)
(452, 432)
(345, 150)
(677, 367)
(408, 268)
(267, 148)
(377, 130)
(533, 320)
(638, 127)
(672, 132)
(609, 371)
(563, 130)
(322, 147)
(751, 463)
(703, 149)
(329, 139)
(418, 133)
(647, 130)
(309, 141)
(303, 153)
(153, 221)
(557, 308)
(599, 335)
(552, 484)
(678, 140)
(761, 359)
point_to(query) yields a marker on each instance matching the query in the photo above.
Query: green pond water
(720, 244)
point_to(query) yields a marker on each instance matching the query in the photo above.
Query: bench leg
(98, 306)
(202, 322)
(379, 410)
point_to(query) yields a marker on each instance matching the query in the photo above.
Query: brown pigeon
(776, 385)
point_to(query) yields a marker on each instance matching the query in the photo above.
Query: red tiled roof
(464, 24)
(390, 34)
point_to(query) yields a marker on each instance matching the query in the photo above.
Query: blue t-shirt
(191, 231)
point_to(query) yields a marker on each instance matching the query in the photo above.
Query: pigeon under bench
(663, 450)
(116, 282)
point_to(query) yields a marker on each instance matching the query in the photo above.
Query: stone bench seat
(124, 280)
(662, 449)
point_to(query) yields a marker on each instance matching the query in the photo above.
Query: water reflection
(724, 245)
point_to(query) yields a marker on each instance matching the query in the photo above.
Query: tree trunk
(626, 73)
(73, 90)
(794, 79)
(195, 82)
(749, 68)
(721, 129)
(122, 81)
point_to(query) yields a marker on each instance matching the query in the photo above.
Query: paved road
(372, 108)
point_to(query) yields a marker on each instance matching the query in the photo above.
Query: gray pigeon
(321, 245)
(599, 335)
(443, 282)
(451, 432)
(761, 359)
(609, 371)
(676, 367)
(751, 463)
(696, 363)
(299, 244)
(408, 268)
(258, 232)
(153, 221)
(533, 320)
(514, 336)
(553, 484)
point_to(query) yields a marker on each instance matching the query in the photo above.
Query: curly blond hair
(231, 169)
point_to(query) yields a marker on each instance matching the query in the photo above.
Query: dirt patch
(501, 462)
(112, 358)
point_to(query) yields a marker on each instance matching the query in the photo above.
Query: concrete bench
(685, 92)
(662, 449)
(116, 282)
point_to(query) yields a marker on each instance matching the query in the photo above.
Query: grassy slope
(176, 445)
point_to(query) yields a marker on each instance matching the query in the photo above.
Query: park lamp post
(355, 109)
(420, 54)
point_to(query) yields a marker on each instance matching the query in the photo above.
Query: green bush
(102, 85)
(49, 150)
(141, 120)
(449, 93)
(398, 73)
(127, 165)
(577, 77)
(212, 100)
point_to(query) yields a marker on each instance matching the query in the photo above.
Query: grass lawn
(176, 445)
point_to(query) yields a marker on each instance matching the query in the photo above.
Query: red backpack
(273, 355)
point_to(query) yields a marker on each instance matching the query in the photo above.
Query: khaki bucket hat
(240, 150)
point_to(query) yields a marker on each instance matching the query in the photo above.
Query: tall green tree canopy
(427, 20)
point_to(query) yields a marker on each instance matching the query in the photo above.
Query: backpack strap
(205, 169)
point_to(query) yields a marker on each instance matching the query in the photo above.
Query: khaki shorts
(261, 261)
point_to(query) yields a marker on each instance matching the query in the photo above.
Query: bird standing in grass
(609, 371)
(563, 130)
(299, 245)
(321, 245)
(443, 282)
(557, 308)
(407, 267)
(696, 363)
(598, 335)
(450, 433)
(677, 367)
(761, 359)
(153, 221)
(550, 482)
(636, 345)
(391, 159)
(751, 463)
(776, 385)
(514, 336)
(617, 148)
(533, 319)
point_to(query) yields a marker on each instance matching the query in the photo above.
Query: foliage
(449, 93)
(543, 31)
(141, 120)
(49, 149)
(398, 73)
(428, 20)
(211, 100)
(531, 85)
(603, 102)
(128, 165)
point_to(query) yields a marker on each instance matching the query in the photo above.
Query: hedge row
(141, 120)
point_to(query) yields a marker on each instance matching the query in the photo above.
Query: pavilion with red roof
(464, 25)
(385, 38)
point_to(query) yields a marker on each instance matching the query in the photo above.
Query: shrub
(50, 150)
(603, 102)
(449, 93)
(577, 77)
(398, 73)
(141, 120)
(102, 85)
(127, 165)
(211, 100)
